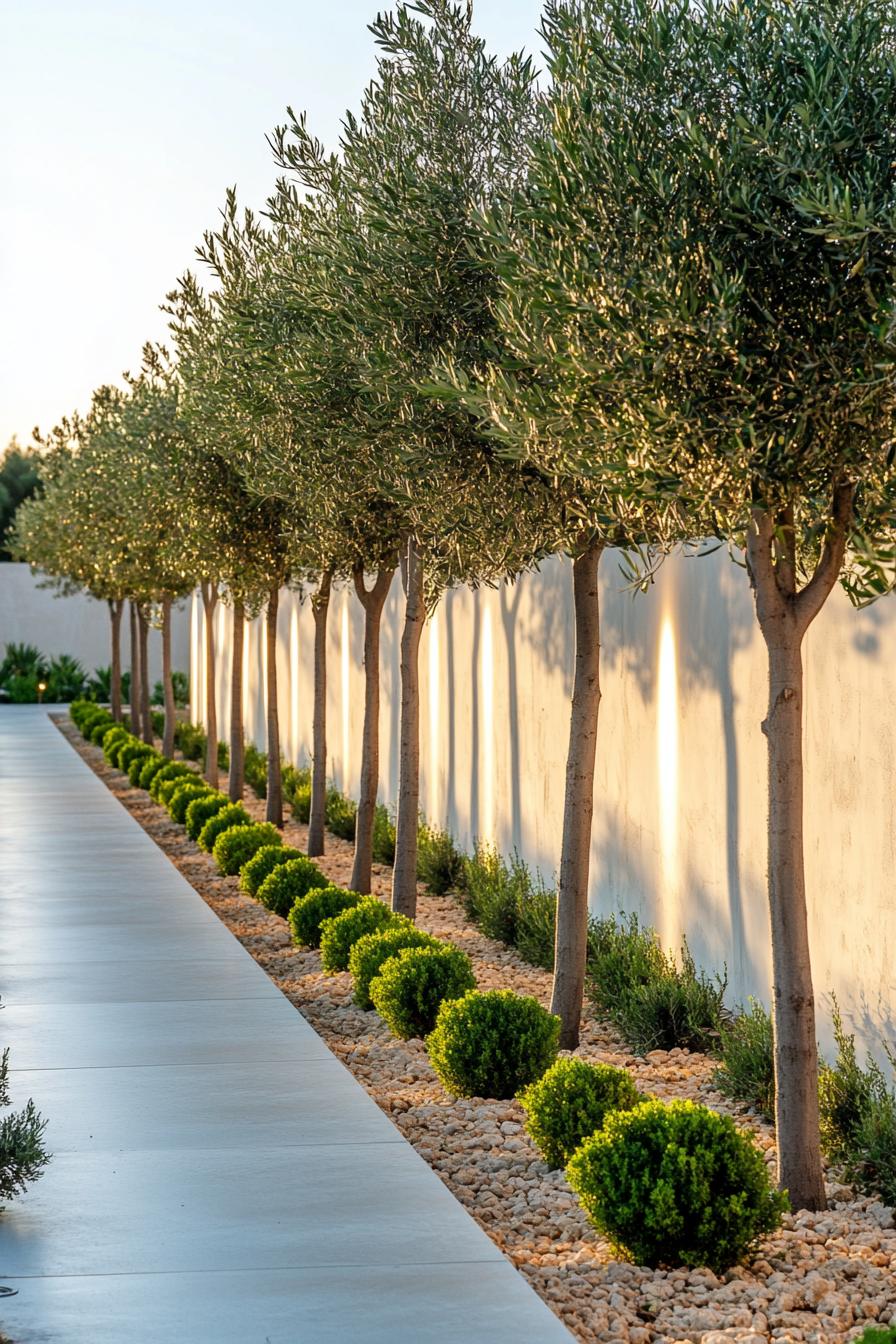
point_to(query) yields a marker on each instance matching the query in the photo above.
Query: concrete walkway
(218, 1176)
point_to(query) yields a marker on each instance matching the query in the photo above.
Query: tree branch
(813, 597)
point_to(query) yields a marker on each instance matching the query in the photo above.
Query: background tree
(19, 479)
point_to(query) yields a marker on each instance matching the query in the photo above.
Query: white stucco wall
(78, 625)
(680, 797)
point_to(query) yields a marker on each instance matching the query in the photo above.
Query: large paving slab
(218, 1176)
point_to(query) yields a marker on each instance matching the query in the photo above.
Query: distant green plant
(66, 679)
(676, 1184)
(412, 986)
(439, 865)
(371, 951)
(320, 904)
(340, 814)
(297, 792)
(288, 883)
(570, 1102)
(180, 682)
(190, 740)
(232, 815)
(747, 1070)
(263, 863)
(492, 1043)
(234, 848)
(383, 835)
(339, 935)
(255, 770)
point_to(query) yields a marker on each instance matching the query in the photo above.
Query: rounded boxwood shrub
(339, 935)
(309, 912)
(131, 751)
(570, 1102)
(201, 809)
(676, 1184)
(288, 883)
(412, 986)
(235, 847)
(100, 728)
(118, 745)
(171, 770)
(263, 863)
(374, 949)
(234, 814)
(152, 764)
(491, 1043)
(117, 733)
(183, 793)
(137, 764)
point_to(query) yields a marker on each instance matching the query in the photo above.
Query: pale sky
(122, 122)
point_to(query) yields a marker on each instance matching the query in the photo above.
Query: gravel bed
(823, 1277)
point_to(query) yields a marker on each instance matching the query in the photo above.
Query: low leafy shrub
(255, 770)
(117, 733)
(99, 730)
(412, 986)
(747, 1070)
(383, 835)
(300, 800)
(117, 745)
(185, 790)
(509, 903)
(340, 814)
(676, 1184)
(263, 863)
(339, 935)
(878, 1335)
(190, 740)
(492, 1043)
(180, 685)
(536, 924)
(236, 847)
(439, 865)
(153, 763)
(234, 814)
(373, 950)
(78, 708)
(157, 719)
(309, 912)
(202, 810)
(223, 756)
(655, 1003)
(570, 1102)
(858, 1118)
(294, 780)
(173, 770)
(22, 1152)
(168, 787)
(133, 750)
(140, 763)
(288, 883)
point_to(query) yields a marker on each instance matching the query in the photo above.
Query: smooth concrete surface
(218, 1177)
(679, 831)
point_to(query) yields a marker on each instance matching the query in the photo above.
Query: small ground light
(41, 687)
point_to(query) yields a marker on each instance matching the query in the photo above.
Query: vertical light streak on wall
(487, 684)
(667, 769)
(249, 694)
(262, 639)
(222, 668)
(197, 663)
(294, 737)
(345, 650)
(433, 755)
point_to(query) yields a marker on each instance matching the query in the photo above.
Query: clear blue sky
(121, 124)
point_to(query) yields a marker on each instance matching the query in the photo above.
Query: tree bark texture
(571, 937)
(372, 600)
(404, 873)
(145, 711)
(274, 801)
(116, 607)
(237, 757)
(320, 607)
(784, 614)
(167, 683)
(209, 602)
(135, 694)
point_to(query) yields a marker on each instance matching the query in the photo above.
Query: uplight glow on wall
(345, 649)
(487, 685)
(667, 762)
(435, 720)
(294, 740)
(197, 662)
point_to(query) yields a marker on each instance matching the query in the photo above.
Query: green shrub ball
(263, 863)
(412, 986)
(371, 952)
(676, 1184)
(100, 728)
(492, 1043)
(309, 912)
(170, 770)
(288, 883)
(153, 762)
(236, 847)
(137, 763)
(234, 814)
(339, 935)
(168, 787)
(183, 793)
(201, 809)
(570, 1102)
(112, 737)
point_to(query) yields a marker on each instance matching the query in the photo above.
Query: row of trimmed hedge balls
(666, 1183)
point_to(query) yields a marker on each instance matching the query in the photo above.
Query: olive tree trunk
(274, 801)
(116, 607)
(404, 874)
(372, 600)
(320, 607)
(145, 711)
(784, 614)
(237, 749)
(571, 936)
(209, 602)
(135, 693)
(167, 683)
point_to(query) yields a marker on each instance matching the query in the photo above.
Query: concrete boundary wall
(680, 796)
